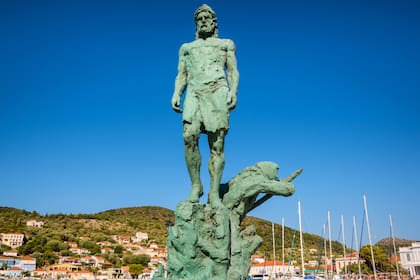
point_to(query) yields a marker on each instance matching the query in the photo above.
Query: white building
(79, 251)
(271, 268)
(12, 240)
(342, 262)
(34, 223)
(140, 236)
(122, 239)
(11, 253)
(410, 259)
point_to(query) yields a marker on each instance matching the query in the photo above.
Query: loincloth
(207, 107)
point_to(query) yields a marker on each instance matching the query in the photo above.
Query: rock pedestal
(208, 242)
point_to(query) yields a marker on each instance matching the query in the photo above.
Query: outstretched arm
(180, 81)
(232, 74)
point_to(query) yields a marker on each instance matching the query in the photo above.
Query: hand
(176, 101)
(232, 102)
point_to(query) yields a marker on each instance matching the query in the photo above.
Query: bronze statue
(207, 71)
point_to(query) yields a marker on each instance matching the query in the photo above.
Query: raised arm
(180, 81)
(232, 74)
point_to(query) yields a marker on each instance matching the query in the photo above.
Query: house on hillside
(39, 273)
(140, 237)
(122, 239)
(35, 223)
(104, 243)
(95, 261)
(25, 263)
(119, 273)
(79, 275)
(14, 272)
(71, 244)
(342, 262)
(11, 253)
(271, 267)
(70, 260)
(107, 250)
(79, 251)
(7, 261)
(63, 267)
(12, 240)
(257, 259)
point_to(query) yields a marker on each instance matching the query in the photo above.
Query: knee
(190, 138)
(217, 142)
(217, 147)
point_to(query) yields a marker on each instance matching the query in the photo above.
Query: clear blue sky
(329, 86)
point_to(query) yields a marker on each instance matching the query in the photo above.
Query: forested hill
(124, 221)
(127, 221)
(387, 244)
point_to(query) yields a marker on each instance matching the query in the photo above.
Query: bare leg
(193, 160)
(216, 164)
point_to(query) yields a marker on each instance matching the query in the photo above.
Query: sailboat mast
(393, 244)
(325, 252)
(344, 245)
(329, 238)
(357, 247)
(301, 240)
(282, 243)
(274, 250)
(370, 238)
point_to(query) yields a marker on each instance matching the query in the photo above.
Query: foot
(196, 193)
(215, 201)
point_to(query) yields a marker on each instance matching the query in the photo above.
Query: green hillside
(60, 228)
(291, 240)
(124, 221)
(387, 244)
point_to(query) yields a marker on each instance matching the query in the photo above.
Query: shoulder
(185, 48)
(228, 43)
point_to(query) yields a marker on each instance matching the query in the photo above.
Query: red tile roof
(15, 268)
(270, 263)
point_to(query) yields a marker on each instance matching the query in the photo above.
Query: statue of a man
(207, 70)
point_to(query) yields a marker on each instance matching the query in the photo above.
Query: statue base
(207, 242)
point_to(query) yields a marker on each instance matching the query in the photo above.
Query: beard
(205, 33)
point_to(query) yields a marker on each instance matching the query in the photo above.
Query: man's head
(205, 22)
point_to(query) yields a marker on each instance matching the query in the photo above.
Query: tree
(66, 253)
(114, 259)
(37, 244)
(382, 262)
(45, 258)
(135, 270)
(118, 249)
(94, 270)
(4, 248)
(136, 259)
(56, 246)
(91, 246)
(354, 268)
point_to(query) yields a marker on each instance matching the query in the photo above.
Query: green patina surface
(207, 72)
(207, 240)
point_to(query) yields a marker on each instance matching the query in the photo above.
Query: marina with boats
(328, 266)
